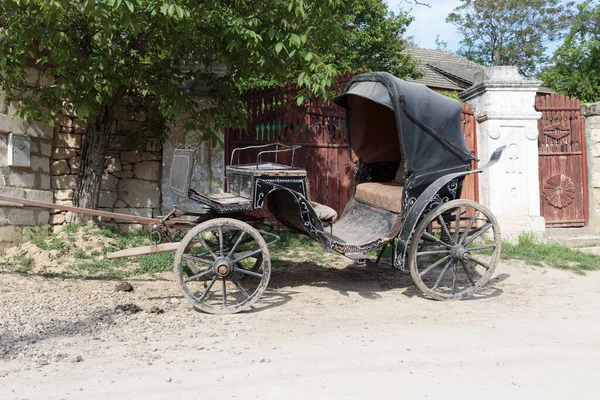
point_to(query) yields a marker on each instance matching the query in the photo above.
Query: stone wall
(591, 112)
(31, 182)
(209, 170)
(131, 180)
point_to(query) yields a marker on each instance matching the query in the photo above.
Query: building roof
(446, 71)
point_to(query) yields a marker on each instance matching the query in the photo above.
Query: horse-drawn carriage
(412, 160)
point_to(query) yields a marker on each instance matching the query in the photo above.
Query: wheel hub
(459, 252)
(222, 267)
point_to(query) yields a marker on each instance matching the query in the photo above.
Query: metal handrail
(276, 151)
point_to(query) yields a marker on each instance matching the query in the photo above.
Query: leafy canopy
(576, 63)
(510, 32)
(95, 51)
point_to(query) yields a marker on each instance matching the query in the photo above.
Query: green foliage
(452, 95)
(510, 32)
(533, 252)
(21, 263)
(95, 52)
(575, 70)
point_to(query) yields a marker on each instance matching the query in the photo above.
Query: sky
(431, 21)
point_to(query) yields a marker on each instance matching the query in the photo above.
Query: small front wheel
(454, 250)
(223, 266)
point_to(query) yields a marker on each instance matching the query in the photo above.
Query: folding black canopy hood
(428, 124)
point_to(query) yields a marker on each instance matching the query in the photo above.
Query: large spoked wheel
(454, 250)
(223, 266)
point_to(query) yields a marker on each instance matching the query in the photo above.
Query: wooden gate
(562, 162)
(319, 127)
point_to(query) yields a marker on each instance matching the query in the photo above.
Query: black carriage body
(426, 127)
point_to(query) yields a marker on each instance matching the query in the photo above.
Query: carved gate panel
(562, 161)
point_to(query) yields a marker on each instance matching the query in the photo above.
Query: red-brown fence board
(562, 162)
(319, 127)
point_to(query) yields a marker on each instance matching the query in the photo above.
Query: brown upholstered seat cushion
(387, 196)
(326, 214)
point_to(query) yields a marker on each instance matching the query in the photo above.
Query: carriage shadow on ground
(367, 280)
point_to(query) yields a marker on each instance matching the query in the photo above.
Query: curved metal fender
(413, 216)
(308, 216)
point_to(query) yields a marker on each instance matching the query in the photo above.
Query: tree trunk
(93, 156)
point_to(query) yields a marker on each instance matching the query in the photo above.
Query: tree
(371, 39)
(574, 70)
(95, 52)
(510, 32)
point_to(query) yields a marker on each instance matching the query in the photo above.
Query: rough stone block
(138, 212)
(68, 203)
(147, 170)
(124, 114)
(71, 140)
(130, 228)
(120, 204)
(12, 192)
(63, 120)
(63, 153)
(129, 126)
(127, 167)
(139, 194)
(113, 164)
(80, 126)
(109, 182)
(22, 216)
(21, 179)
(26, 128)
(64, 182)
(124, 174)
(64, 194)
(34, 146)
(153, 144)
(140, 116)
(107, 199)
(116, 143)
(43, 217)
(75, 162)
(152, 156)
(60, 167)
(39, 195)
(45, 148)
(43, 182)
(130, 157)
(40, 164)
(9, 234)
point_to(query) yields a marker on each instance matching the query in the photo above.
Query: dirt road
(317, 333)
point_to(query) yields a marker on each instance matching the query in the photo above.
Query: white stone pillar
(504, 105)
(591, 112)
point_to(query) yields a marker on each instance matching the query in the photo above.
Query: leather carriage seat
(326, 214)
(383, 195)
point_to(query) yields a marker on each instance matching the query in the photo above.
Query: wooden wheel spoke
(453, 278)
(197, 259)
(237, 243)
(464, 267)
(224, 292)
(221, 241)
(203, 243)
(432, 266)
(457, 225)
(483, 247)
(210, 285)
(443, 223)
(442, 274)
(198, 275)
(469, 226)
(239, 286)
(433, 252)
(480, 232)
(246, 254)
(432, 238)
(476, 261)
(246, 272)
